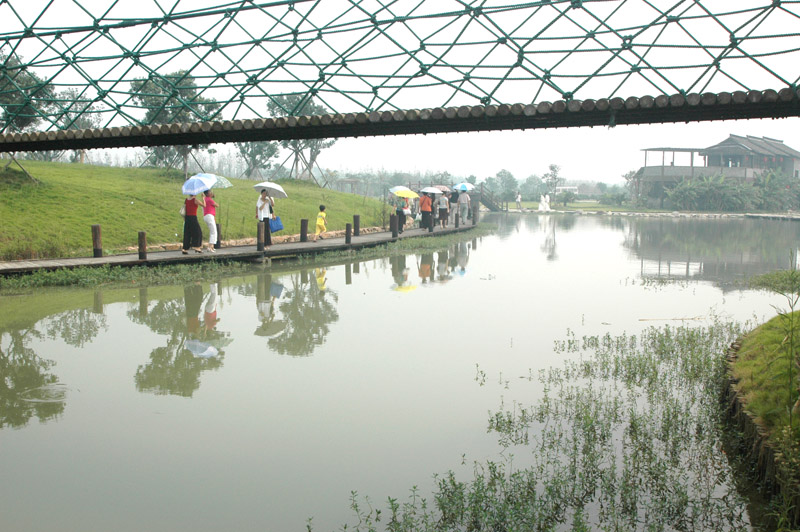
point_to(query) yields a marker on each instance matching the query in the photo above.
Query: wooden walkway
(285, 250)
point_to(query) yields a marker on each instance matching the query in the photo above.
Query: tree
(256, 155)
(508, 185)
(552, 178)
(75, 111)
(567, 196)
(299, 105)
(472, 180)
(532, 188)
(24, 96)
(168, 99)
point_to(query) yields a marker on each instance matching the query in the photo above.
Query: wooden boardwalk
(281, 251)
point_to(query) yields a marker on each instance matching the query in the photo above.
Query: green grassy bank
(53, 218)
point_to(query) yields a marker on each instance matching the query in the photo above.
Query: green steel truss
(68, 63)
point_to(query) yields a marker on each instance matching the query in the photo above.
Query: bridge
(109, 73)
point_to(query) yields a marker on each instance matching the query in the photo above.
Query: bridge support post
(475, 211)
(142, 245)
(260, 237)
(217, 244)
(393, 225)
(348, 232)
(304, 230)
(356, 225)
(97, 241)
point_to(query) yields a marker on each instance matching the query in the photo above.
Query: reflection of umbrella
(197, 184)
(403, 192)
(404, 287)
(431, 190)
(270, 328)
(443, 188)
(201, 349)
(274, 189)
(464, 187)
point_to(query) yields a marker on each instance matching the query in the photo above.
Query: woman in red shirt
(209, 216)
(192, 234)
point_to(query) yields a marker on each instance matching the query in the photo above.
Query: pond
(260, 401)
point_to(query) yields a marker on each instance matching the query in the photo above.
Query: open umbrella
(464, 187)
(443, 188)
(197, 184)
(221, 182)
(431, 190)
(274, 189)
(403, 192)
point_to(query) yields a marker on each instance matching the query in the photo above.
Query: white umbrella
(274, 189)
(431, 190)
(197, 184)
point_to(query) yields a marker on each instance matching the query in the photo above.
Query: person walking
(444, 209)
(463, 206)
(425, 206)
(192, 234)
(209, 217)
(454, 204)
(322, 223)
(401, 209)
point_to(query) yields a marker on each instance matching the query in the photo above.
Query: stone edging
(757, 449)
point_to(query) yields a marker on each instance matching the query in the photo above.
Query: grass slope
(54, 218)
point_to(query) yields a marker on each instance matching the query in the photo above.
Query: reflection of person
(399, 270)
(426, 266)
(441, 266)
(462, 255)
(444, 209)
(321, 280)
(210, 311)
(425, 205)
(192, 234)
(463, 206)
(209, 216)
(193, 299)
(322, 223)
(267, 293)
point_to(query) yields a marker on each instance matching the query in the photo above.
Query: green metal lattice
(100, 63)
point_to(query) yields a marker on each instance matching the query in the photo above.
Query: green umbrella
(221, 182)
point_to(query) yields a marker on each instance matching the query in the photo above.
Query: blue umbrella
(464, 187)
(198, 183)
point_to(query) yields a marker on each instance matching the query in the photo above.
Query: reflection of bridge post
(474, 244)
(356, 267)
(97, 306)
(348, 275)
(143, 302)
(304, 276)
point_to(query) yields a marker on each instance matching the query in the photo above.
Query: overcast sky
(594, 154)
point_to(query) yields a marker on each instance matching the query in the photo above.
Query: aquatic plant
(626, 436)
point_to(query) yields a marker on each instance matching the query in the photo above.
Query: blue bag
(275, 224)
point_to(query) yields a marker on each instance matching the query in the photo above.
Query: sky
(584, 154)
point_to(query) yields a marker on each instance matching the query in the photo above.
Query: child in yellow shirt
(322, 223)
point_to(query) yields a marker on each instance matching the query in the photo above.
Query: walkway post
(458, 216)
(393, 225)
(475, 210)
(356, 225)
(142, 245)
(97, 241)
(260, 237)
(431, 223)
(303, 230)
(348, 232)
(267, 234)
(219, 238)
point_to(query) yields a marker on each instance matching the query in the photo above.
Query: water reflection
(27, 389)
(267, 293)
(308, 310)
(192, 346)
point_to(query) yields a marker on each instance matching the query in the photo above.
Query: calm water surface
(259, 401)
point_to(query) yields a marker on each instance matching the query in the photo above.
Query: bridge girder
(573, 113)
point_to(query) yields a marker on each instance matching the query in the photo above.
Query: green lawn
(54, 217)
